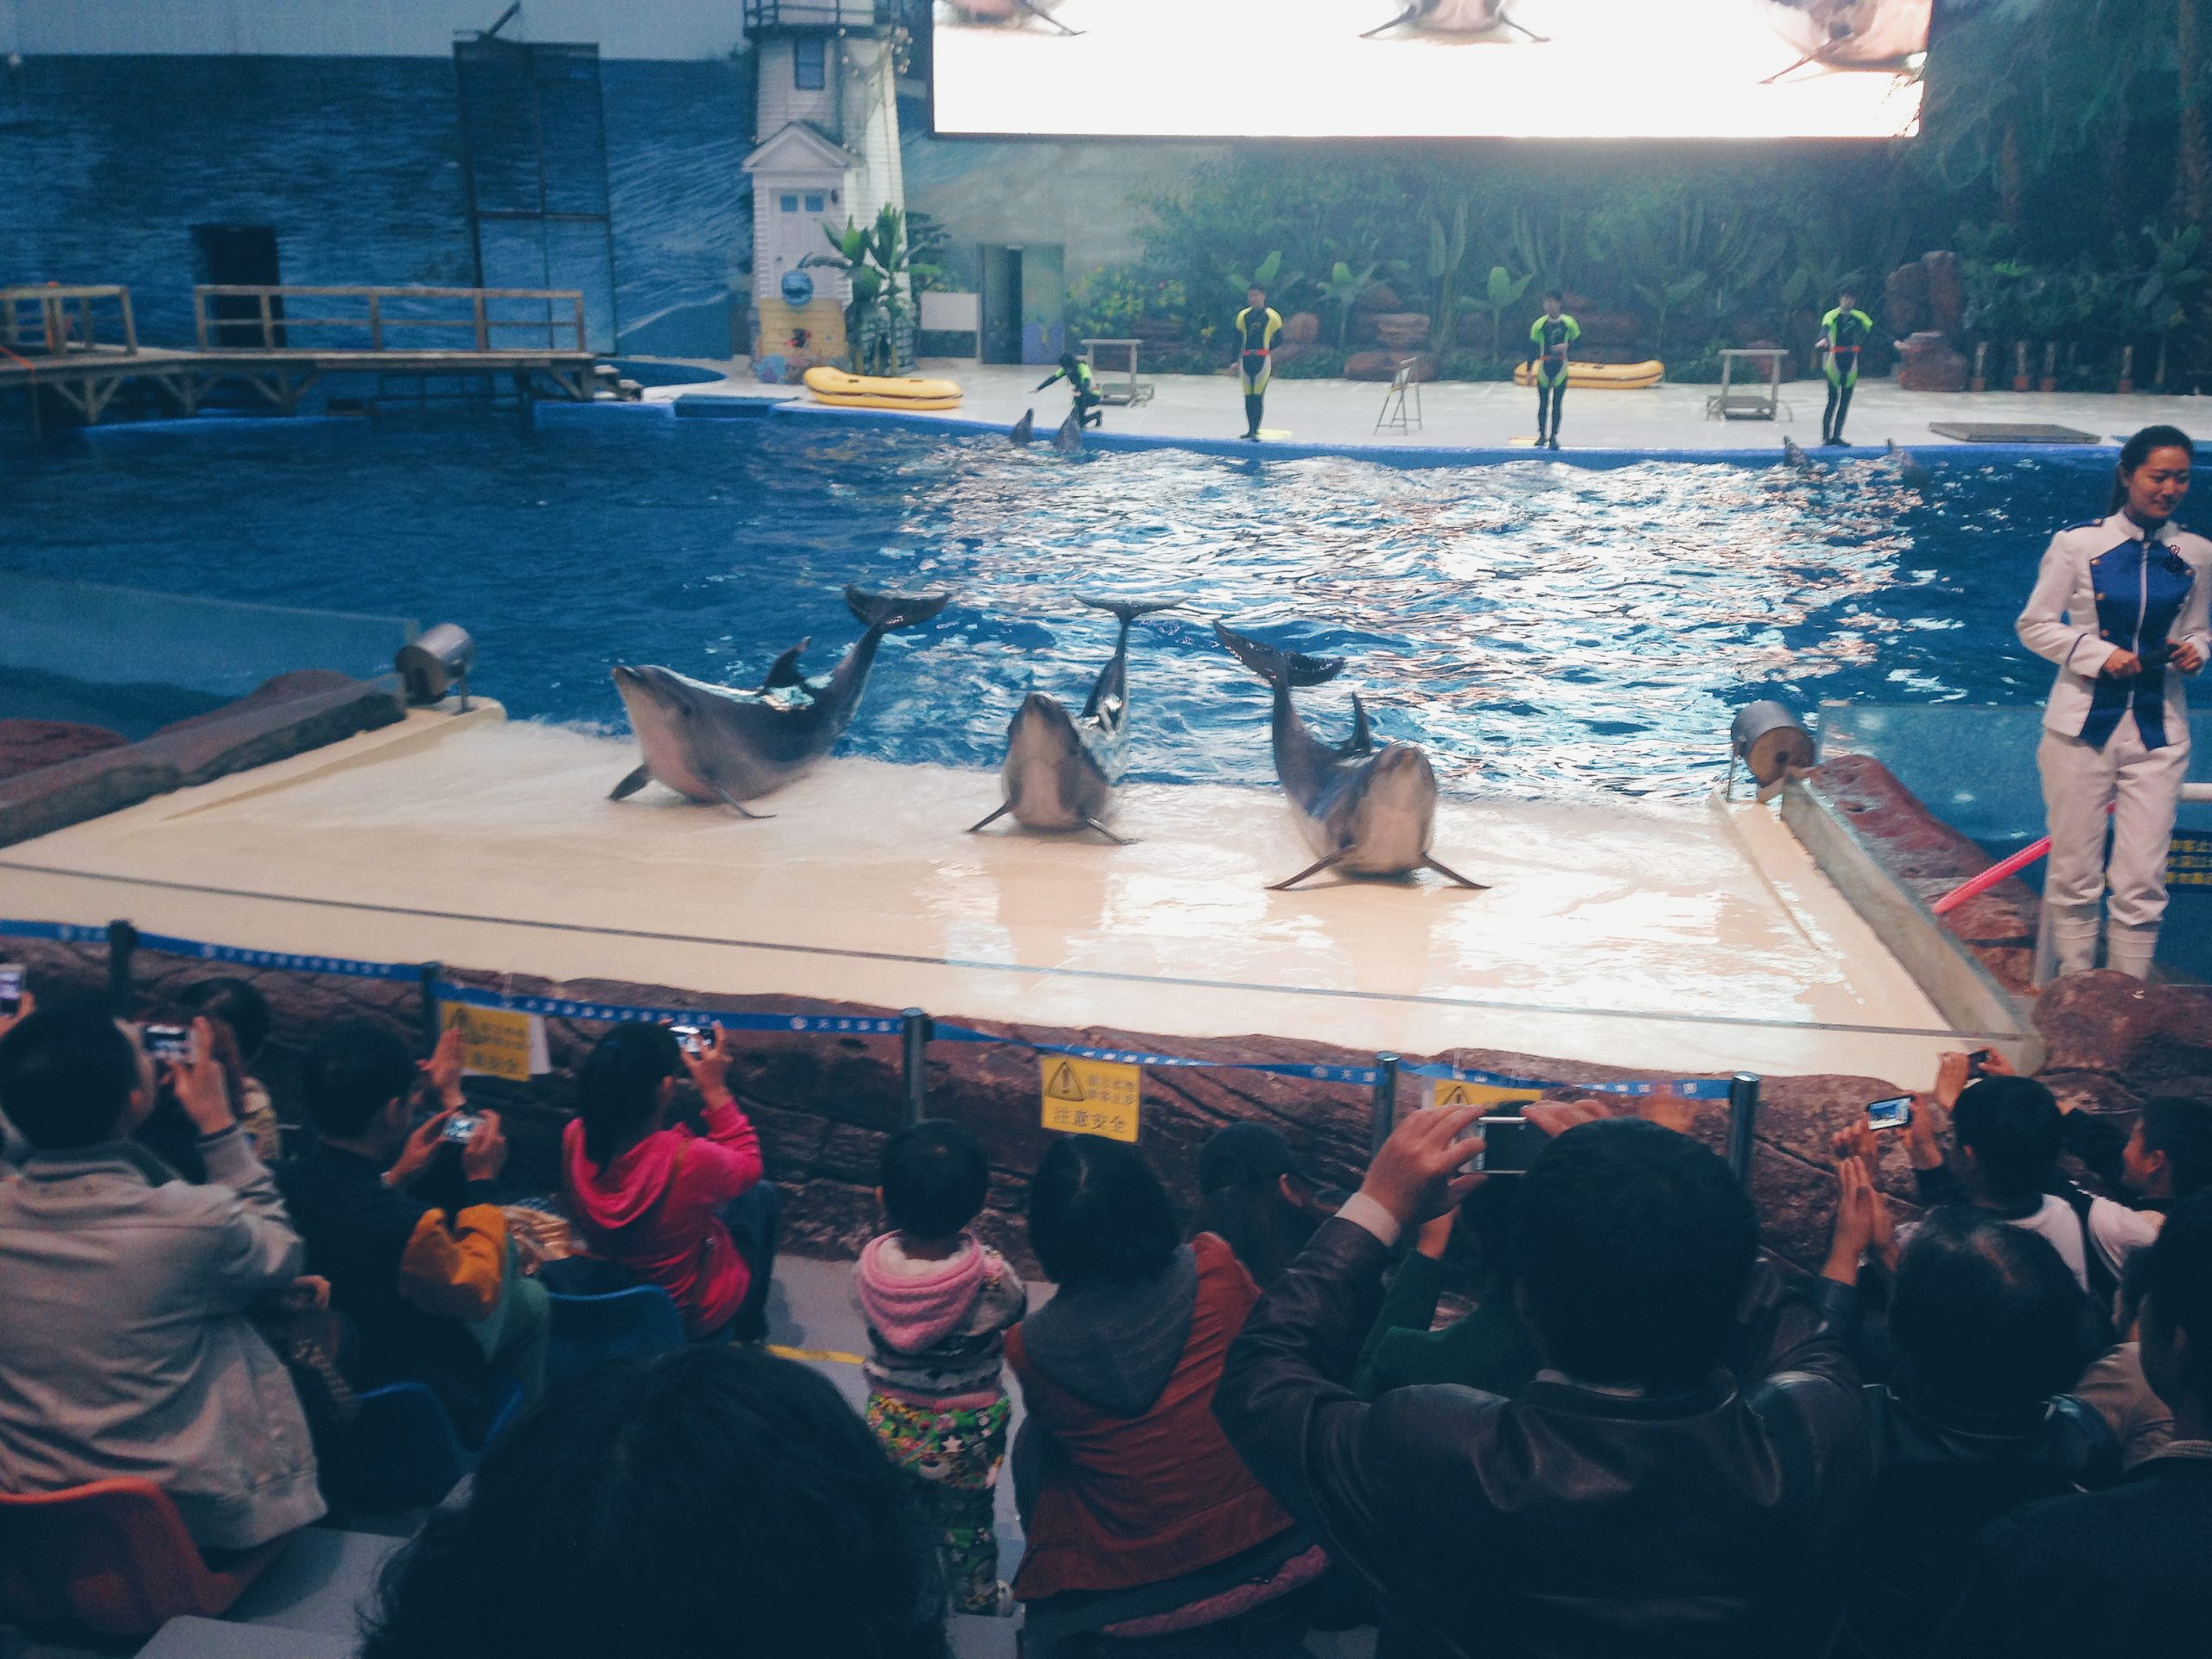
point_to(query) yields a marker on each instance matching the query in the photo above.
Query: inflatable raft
(1601, 377)
(877, 392)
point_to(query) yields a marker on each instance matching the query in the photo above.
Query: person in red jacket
(662, 1201)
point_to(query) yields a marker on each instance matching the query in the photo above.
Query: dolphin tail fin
(630, 785)
(784, 670)
(1023, 427)
(1275, 665)
(894, 610)
(1361, 740)
(1127, 609)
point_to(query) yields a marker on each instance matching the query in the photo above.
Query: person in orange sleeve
(399, 1220)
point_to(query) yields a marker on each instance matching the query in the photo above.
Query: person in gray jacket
(125, 1349)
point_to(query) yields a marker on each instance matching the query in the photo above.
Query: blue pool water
(1544, 629)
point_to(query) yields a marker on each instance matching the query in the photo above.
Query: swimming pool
(1542, 628)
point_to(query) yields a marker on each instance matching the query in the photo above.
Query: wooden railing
(267, 323)
(50, 319)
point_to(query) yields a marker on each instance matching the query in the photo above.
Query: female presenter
(2119, 605)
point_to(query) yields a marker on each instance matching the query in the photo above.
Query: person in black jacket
(2118, 1572)
(1680, 1478)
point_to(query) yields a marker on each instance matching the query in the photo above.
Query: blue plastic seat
(402, 1451)
(591, 1330)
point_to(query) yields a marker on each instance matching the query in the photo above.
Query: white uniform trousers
(2143, 788)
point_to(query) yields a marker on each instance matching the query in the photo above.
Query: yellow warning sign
(2188, 861)
(1446, 1091)
(1090, 1096)
(497, 1042)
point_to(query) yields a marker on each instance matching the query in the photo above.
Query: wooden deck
(263, 350)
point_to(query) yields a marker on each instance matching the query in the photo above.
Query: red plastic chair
(113, 1557)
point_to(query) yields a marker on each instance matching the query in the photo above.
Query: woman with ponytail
(2120, 606)
(661, 1201)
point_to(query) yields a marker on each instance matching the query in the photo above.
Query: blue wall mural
(355, 163)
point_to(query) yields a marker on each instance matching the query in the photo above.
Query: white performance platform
(1681, 939)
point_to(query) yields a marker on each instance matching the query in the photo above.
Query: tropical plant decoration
(873, 260)
(1342, 290)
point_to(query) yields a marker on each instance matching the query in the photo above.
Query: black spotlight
(1773, 744)
(438, 660)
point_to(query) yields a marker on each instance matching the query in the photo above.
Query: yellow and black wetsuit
(1255, 341)
(1845, 333)
(1077, 373)
(1548, 339)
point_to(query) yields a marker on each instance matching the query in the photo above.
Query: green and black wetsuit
(1256, 328)
(1086, 392)
(1548, 339)
(1845, 333)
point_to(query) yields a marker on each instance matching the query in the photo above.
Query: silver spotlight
(1773, 744)
(438, 660)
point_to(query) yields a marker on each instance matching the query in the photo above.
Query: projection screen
(1430, 69)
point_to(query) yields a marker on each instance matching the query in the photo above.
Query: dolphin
(1069, 439)
(1059, 774)
(1366, 811)
(1910, 467)
(714, 744)
(1793, 454)
(1456, 17)
(1021, 427)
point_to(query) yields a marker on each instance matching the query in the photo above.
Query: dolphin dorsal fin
(1363, 735)
(784, 670)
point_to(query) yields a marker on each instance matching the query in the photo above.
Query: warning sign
(1446, 1091)
(2189, 862)
(497, 1042)
(1090, 1096)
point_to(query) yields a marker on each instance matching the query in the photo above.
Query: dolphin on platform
(1059, 773)
(1367, 811)
(715, 744)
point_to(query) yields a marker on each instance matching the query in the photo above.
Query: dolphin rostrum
(715, 744)
(1366, 811)
(1059, 774)
(1069, 439)
(1021, 427)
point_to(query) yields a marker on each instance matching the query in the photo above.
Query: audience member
(667, 1205)
(1637, 1497)
(2164, 1157)
(937, 1303)
(1124, 1478)
(2115, 1388)
(13, 1148)
(1254, 1197)
(1490, 1348)
(709, 1504)
(2119, 1573)
(124, 1347)
(425, 1282)
(239, 1014)
(1991, 1330)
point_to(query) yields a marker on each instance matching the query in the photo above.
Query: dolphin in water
(1910, 467)
(1366, 811)
(1793, 454)
(1059, 774)
(1021, 427)
(714, 744)
(1069, 439)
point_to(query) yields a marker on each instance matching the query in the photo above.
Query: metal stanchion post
(1386, 1103)
(122, 945)
(914, 1046)
(427, 976)
(1743, 1119)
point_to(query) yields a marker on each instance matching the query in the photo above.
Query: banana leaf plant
(873, 261)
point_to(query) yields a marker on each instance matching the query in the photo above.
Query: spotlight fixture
(438, 660)
(1773, 744)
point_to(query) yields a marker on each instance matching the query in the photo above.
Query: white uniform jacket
(2064, 622)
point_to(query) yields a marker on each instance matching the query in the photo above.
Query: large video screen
(1431, 68)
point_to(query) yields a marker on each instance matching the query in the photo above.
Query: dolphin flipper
(739, 807)
(630, 785)
(1401, 17)
(1093, 823)
(784, 670)
(1004, 808)
(1314, 868)
(1023, 427)
(1451, 874)
(894, 610)
(1275, 665)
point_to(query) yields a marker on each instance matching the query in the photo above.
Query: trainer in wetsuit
(1077, 373)
(1549, 338)
(1843, 336)
(1257, 325)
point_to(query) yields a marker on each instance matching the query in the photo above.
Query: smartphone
(461, 1127)
(1891, 1114)
(1978, 1062)
(11, 987)
(691, 1038)
(167, 1042)
(1509, 1145)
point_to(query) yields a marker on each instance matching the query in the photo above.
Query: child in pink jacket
(937, 1305)
(659, 1201)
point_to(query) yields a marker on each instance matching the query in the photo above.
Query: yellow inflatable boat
(846, 391)
(1601, 377)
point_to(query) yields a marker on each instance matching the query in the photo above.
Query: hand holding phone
(460, 1127)
(1894, 1113)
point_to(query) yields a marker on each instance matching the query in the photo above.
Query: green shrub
(1320, 363)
